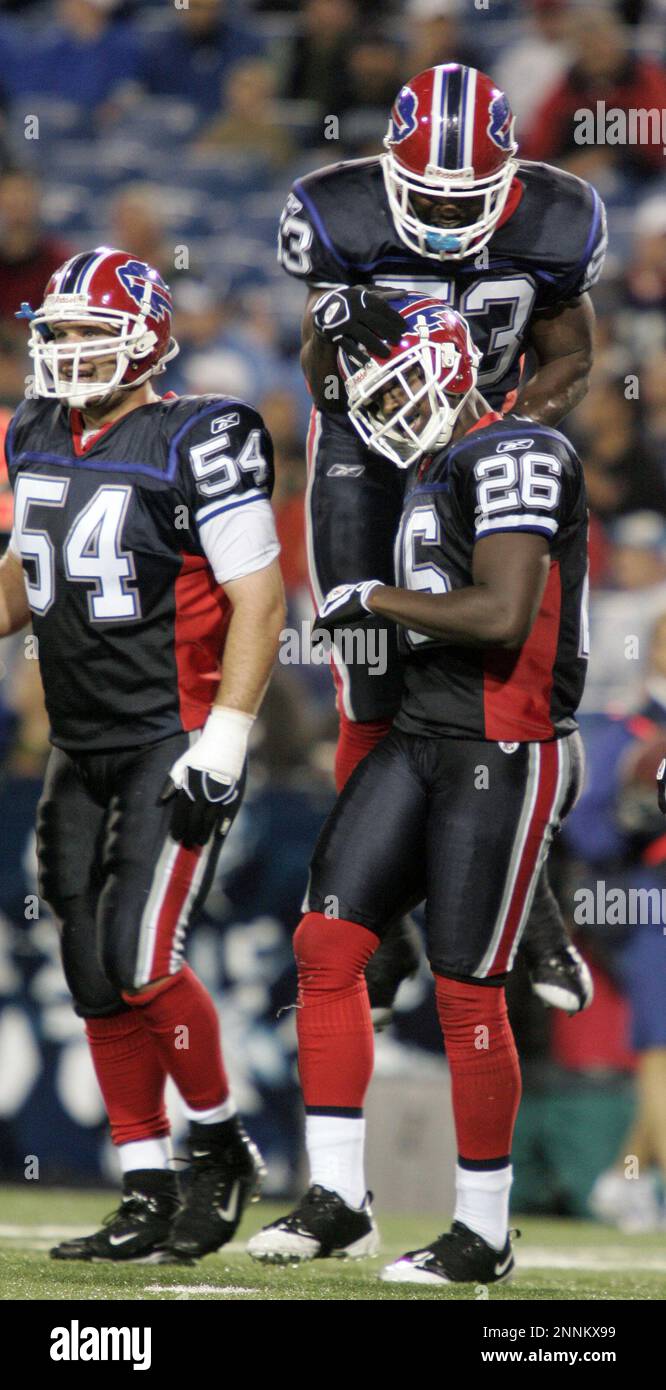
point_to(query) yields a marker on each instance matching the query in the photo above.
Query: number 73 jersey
(511, 476)
(126, 542)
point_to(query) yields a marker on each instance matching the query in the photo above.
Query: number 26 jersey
(509, 475)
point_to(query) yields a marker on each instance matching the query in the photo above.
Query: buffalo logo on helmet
(403, 115)
(135, 276)
(499, 125)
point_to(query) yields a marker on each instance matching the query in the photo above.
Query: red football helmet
(113, 290)
(437, 343)
(450, 136)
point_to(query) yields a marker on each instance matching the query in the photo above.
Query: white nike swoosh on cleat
(230, 1212)
(501, 1269)
(121, 1240)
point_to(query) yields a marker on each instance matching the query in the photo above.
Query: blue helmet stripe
(453, 123)
(79, 263)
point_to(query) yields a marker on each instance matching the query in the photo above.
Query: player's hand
(353, 315)
(207, 781)
(661, 786)
(344, 606)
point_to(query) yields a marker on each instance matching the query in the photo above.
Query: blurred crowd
(173, 128)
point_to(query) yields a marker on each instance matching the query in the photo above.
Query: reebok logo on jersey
(76, 1343)
(508, 444)
(345, 470)
(224, 422)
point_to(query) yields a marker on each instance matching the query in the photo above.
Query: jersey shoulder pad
(516, 475)
(331, 221)
(224, 452)
(562, 222)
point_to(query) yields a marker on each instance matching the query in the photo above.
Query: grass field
(556, 1260)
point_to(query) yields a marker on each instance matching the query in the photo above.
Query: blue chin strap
(443, 241)
(25, 312)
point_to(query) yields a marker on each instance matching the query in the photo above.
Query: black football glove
(661, 786)
(344, 606)
(350, 316)
(207, 781)
(203, 804)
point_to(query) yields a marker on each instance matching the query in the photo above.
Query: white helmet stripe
(87, 277)
(436, 117)
(469, 114)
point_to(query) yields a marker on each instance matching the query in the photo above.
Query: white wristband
(222, 747)
(368, 589)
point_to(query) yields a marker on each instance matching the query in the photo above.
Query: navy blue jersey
(337, 229)
(514, 476)
(126, 537)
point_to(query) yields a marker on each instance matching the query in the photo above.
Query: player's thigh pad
(69, 840)
(493, 811)
(152, 885)
(354, 501)
(69, 823)
(369, 862)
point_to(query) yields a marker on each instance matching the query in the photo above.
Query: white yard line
(198, 1288)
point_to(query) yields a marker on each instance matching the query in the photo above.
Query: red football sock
(335, 1037)
(354, 741)
(485, 1073)
(182, 1020)
(131, 1077)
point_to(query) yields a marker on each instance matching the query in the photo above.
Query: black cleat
(459, 1257)
(138, 1231)
(321, 1226)
(225, 1174)
(562, 980)
(397, 958)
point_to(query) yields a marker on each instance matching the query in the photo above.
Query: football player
(447, 210)
(458, 804)
(143, 542)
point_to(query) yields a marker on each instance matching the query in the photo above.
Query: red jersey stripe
(202, 615)
(517, 686)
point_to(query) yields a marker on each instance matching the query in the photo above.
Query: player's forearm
(471, 617)
(14, 606)
(319, 362)
(556, 388)
(249, 651)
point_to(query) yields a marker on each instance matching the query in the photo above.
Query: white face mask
(132, 342)
(442, 243)
(401, 436)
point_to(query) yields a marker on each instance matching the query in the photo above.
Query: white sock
(214, 1116)
(482, 1202)
(335, 1150)
(144, 1153)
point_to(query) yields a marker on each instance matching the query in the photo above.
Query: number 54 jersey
(507, 474)
(126, 537)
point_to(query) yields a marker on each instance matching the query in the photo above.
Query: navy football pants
(122, 890)
(457, 822)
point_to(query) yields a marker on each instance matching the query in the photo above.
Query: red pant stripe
(543, 796)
